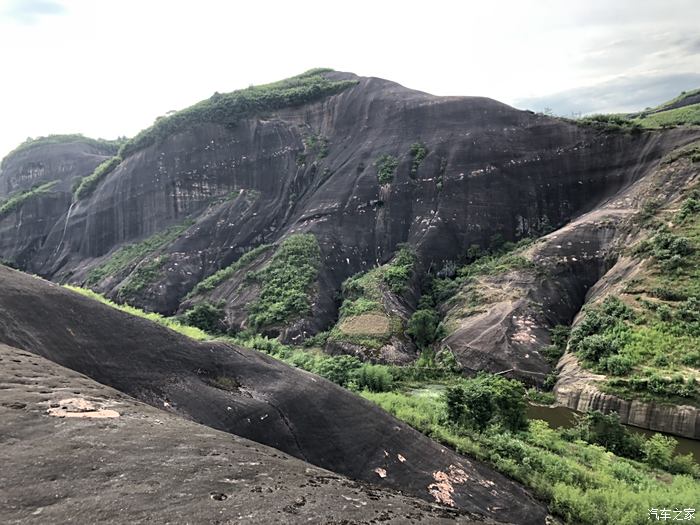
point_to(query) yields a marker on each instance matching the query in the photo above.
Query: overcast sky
(109, 67)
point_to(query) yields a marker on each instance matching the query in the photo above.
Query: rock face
(576, 390)
(251, 395)
(142, 465)
(486, 169)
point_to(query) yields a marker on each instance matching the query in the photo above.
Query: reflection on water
(564, 417)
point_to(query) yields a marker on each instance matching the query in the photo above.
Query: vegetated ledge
(229, 108)
(576, 390)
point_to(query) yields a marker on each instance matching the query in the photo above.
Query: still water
(564, 417)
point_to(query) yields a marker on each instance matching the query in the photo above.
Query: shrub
(398, 272)
(658, 450)
(206, 316)
(16, 200)
(690, 207)
(418, 152)
(485, 400)
(224, 274)
(386, 167)
(286, 282)
(375, 378)
(423, 326)
(338, 369)
(229, 108)
(619, 365)
(607, 431)
(88, 184)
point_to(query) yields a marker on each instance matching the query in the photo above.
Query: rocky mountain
(327, 204)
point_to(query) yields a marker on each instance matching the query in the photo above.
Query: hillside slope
(250, 395)
(77, 450)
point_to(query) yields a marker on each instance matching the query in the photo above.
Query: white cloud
(109, 68)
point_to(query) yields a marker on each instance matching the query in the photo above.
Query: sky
(108, 68)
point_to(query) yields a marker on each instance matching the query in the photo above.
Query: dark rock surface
(489, 169)
(251, 395)
(106, 458)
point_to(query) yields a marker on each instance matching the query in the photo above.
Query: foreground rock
(103, 457)
(250, 395)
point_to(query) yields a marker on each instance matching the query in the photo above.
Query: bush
(338, 369)
(607, 431)
(658, 451)
(386, 167)
(17, 199)
(88, 184)
(285, 282)
(375, 378)
(486, 400)
(619, 365)
(418, 152)
(423, 327)
(207, 316)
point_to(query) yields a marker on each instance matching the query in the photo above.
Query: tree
(422, 327)
(487, 400)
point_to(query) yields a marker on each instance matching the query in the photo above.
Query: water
(558, 417)
(65, 227)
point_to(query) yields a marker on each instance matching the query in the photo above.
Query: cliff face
(363, 170)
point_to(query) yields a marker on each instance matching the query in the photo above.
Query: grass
(363, 294)
(229, 108)
(130, 254)
(144, 275)
(286, 282)
(687, 115)
(16, 200)
(224, 274)
(88, 184)
(582, 483)
(168, 322)
(647, 338)
(108, 146)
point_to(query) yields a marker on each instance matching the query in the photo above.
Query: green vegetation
(611, 123)
(595, 473)
(363, 294)
(684, 116)
(582, 482)
(207, 317)
(88, 184)
(230, 108)
(487, 400)
(226, 273)
(418, 152)
(108, 146)
(168, 322)
(17, 199)
(145, 274)
(316, 144)
(130, 254)
(386, 168)
(286, 282)
(692, 151)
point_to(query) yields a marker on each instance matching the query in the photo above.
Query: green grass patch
(130, 254)
(16, 200)
(168, 322)
(230, 108)
(684, 116)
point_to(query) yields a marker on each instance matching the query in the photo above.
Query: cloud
(29, 12)
(624, 94)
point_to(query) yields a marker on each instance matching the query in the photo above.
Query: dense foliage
(285, 282)
(386, 168)
(230, 108)
(207, 316)
(418, 152)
